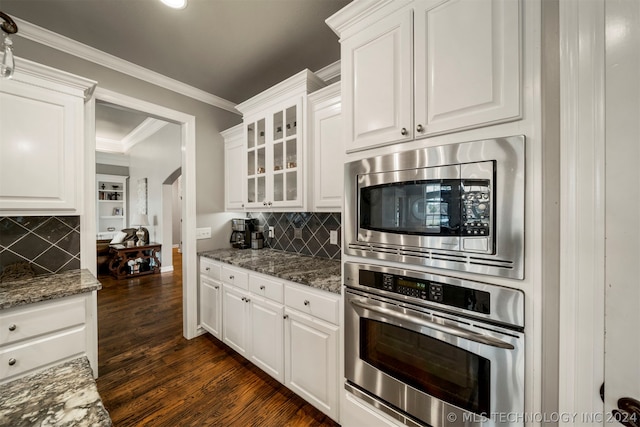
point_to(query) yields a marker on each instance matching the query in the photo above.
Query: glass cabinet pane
(261, 133)
(278, 156)
(277, 125)
(251, 163)
(261, 165)
(292, 185)
(251, 136)
(291, 121)
(262, 189)
(251, 190)
(278, 188)
(292, 153)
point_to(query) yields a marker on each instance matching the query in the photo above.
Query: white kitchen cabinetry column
(42, 141)
(327, 149)
(234, 168)
(416, 69)
(210, 297)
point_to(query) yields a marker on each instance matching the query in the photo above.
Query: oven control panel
(442, 293)
(476, 209)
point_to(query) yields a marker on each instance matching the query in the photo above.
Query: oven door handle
(448, 329)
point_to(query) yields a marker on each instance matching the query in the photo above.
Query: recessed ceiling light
(176, 4)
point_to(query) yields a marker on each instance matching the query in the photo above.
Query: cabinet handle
(420, 128)
(216, 287)
(208, 268)
(270, 203)
(247, 300)
(404, 132)
(285, 317)
(242, 206)
(12, 327)
(244, 299)
(231, 277)
(264, 203)
(262, 287)
(12, 361)
(306, 302)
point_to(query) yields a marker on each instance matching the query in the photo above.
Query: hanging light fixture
(175, 4)
(8, 65)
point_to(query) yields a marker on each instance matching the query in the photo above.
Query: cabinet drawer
(23, 323)
(33, 354)
(234, 276)
(325, 307)
(266, 287)
(209, 268)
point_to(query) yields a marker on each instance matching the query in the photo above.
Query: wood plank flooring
(151, 376)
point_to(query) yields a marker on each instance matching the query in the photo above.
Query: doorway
(188, 203)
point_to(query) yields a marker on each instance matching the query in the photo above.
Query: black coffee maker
(241, 232)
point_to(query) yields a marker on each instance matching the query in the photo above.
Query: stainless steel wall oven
(458, 206)
(434, 350)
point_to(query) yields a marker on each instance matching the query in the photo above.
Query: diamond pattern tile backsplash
(314, 228)
(51, 244)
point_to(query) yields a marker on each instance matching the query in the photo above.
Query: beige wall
(210, 121)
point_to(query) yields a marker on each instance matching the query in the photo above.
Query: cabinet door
(236, 320)
(328, 150)
(267, 344)
(377, 89)
(211, 306)
(286, 152)
(256, 160)
(311, 361)
(234, 181)
(467, 64)
(40, 148)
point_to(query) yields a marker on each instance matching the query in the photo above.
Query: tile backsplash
(51, 244)
(314, 232)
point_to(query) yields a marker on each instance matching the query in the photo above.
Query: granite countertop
(320, 273)
(64, 395)
(47, 287)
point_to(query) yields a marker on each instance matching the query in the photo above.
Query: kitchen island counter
(319, 273)
(47, 287)
(63, 395)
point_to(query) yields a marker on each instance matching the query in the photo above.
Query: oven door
(438, 369)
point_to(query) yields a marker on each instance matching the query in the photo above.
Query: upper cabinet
(273, 169)
(42, 137)
(234, 154)
(327, 149)
(412, 69)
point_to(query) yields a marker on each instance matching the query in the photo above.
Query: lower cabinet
(311, 360)
(288, 330)
(39, 335)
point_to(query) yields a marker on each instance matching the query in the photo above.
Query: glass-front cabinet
(274, 161)
(273, 168)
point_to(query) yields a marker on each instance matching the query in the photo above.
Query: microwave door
(417, 207)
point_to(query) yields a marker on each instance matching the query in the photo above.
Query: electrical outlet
(297, 233)
(203, 233)
(270, 232)
(333, 237)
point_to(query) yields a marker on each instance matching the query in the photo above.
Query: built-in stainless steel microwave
(457, 206)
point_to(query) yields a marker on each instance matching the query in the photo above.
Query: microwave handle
(448, 329)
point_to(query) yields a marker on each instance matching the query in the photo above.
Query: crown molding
(106, 145)
(329, 72)
(361, 13)
(64, 44)
(142, 132)
(33, 73)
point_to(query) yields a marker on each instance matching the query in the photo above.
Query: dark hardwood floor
(151, 376)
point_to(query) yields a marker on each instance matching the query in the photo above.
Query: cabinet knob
(244, 299)
(208, 268)
(285, 317)
(242, 206)
(247, 300)
(262, 287)
(404, 132)
(270, 203)
(12, 361)
(420, 128)
(12, 327)
(231, 277)
(264, 203)
(306, 302)
(216, 287)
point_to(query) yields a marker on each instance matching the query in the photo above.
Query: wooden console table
(130, 261)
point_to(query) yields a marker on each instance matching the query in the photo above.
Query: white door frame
(188, 144)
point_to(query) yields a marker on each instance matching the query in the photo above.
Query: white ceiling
(233, 49)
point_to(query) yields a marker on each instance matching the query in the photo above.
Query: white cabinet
(210, 297)
(111, 209)
(39, 335)
(275, 145)
(327, 149)
(411, 70)
(234, 175)
(42, 141)
(236, 319)
(311, 352)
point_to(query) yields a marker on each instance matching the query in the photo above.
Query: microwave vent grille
(437, 259)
